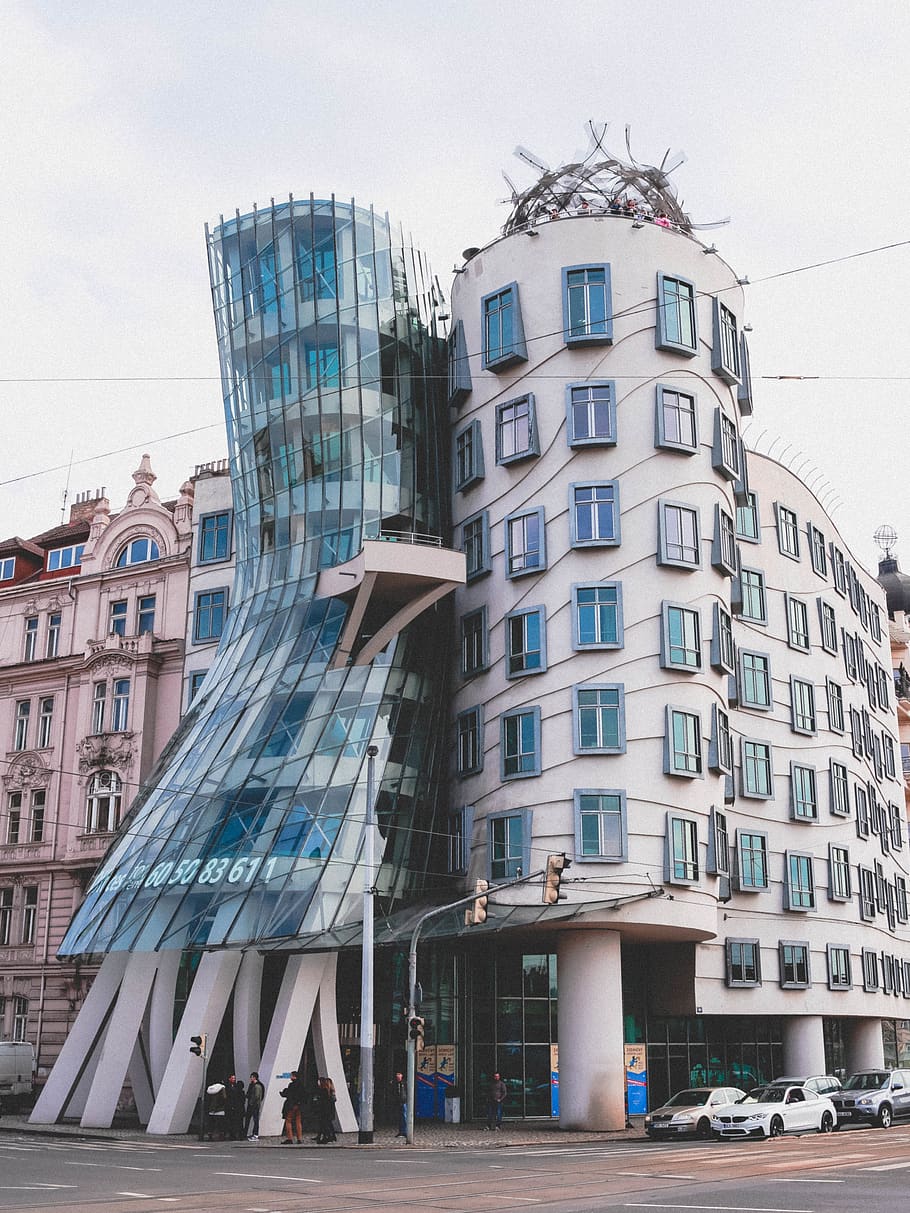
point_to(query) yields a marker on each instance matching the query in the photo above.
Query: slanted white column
(247, 996)
(591, 1069)
(287, 1033)
(865, 1045)
(78, 1058)
(182, 1082)
(160, 1038)
(804, 1046)
(140, 1081)
(328, 1047)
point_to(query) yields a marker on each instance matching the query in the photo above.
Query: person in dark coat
(235, 1102)
(495, 1102)
(255, 1094)
(325, 1111)
(293, 1119)
(400, 1087)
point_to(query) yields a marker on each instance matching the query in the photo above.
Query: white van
(17, 1070)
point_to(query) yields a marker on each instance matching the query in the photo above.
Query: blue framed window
(678, 539)
(757, 772)
(840, 976)
(676, 316)
(802, 706)
(458, 367)
(600, 825)
(503, 331)
(510, 845)
(751, 861)
(803, 793)
(682, 866)
(591, 413)
(598, 717)
(520, 743)
(594, 513)
(526, 642)
(469, 741)
(840, 884)
(209, 614)
(526, 549)
(516, 430)
(723, 547)
(799, 882)
(682, 743)
(597, 615)
(725, 355)
(215, 536)
(794, 965)
(750, 597)
(475, 543)
(747, 523)
(743, 963)
(680, 637)
(474, 648)
(469, 468)
(676, 420)
(587, 307)
(787, 531)
(725, 453)
(723, 650)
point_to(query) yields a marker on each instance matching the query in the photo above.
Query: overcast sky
(127, 126)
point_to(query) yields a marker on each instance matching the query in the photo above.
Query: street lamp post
(365, 1134)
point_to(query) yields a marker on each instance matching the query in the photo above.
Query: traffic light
(477, 911)
(198, 1045)
(416, 1026)
(556, 865)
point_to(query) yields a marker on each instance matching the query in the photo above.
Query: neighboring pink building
(93, 618)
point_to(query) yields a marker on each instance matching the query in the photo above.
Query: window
(459, 368)
(840, 789)
(20, 732)
(470, 741)
(803, 793)
(725, 354)
(458, 839)
(117, 621)
(7, 568)
(323, 369)
(839, 570)
(591, 413)
(787, 531)
(720, 752)
(6, 917)
(503, 333)
(145, 615)
(526, 642)
(682, 754)
(29, 913)
(676, 318)
(20, 1018)
(65, 558)
(849, 647)
(755, 687)
(680, 637)
(516, 430)
(13, 818)
(520, 743)
(587, 311)
(469, 468)
(743, 962)
(861, 800)
(751, 860)
(677, 535)
(676, 420)
(817, 550)
(839, 975)
(526, 550)
(209, 615)
(215, 536)
(31, 639)
(475, 543)
(196, 680)
(474, 655)
(725, 454)
(797, 623)
(45, 721)
(828, 623)
(799, 889)
(718, 844)
(52, 643)
(103, 806)
(751, 596)
(597, 615)
(120, 705)
(723, 549)
(316, 270)
(744, 391)
(99, 700)
(747, 526)
(757, 775)
(682, 850)
(508, 846)
(794, 965)
(839, 883)
(600, 825)
(594, 513)
(723, 652)
(870, 971)
(802, 706)
(139, 551)
(888, 751)
(599, 719)
(39, 803)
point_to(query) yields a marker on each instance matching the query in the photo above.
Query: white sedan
(773, 1111)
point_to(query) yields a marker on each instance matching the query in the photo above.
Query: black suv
(873, 1097)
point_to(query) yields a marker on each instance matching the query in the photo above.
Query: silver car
(689, 1112)
(875, 1097)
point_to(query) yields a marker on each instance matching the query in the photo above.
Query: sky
(125, 127)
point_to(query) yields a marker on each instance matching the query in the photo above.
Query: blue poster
(636, 1080)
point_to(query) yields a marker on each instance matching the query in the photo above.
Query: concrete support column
(865, 1045)
(328, 1047)
(804, 1046)
(160, 1039)
(591, 1067)
(287, 1033)
(247, 997)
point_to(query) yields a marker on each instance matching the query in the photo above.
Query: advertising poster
(554, 1080)
(445, 1076)
(425, 1097)
(636, 1066)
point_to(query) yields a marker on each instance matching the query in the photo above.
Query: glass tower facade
(250, 829)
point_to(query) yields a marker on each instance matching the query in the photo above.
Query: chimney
(83, 507)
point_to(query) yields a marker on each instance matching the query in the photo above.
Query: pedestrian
(401, 1098)
(215, 1110)
(255, 1094)
(496, 1097)
(325, 1111)
(293, 1121)
(234, 1101)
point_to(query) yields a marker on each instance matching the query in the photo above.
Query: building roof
(895, 584)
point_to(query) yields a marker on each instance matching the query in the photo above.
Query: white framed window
(29, 913)
(30, 649)
(105, 793)
(45, 721)
(99, 706)
(599, 719)
(680, 637)
(591, 413)
(117, 618)
(7, 568)
(145, 615)
(52, 640)
(20, 1018)
(597, 615)
(676, 328)
(65, 558)
(20, 731)
(137, 551)
(600, 825)
(678, 535)
(120, 705)
(682, 744)
(39, 805)
(676, 420)
(13, 819)
(6, 919)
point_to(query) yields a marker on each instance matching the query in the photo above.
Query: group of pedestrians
(294, 1097)
(233, 1110)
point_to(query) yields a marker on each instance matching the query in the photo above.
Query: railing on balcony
(902, 683)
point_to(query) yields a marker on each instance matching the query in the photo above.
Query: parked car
(874, 1097)
(689, 1111)
(774, 1110)
(821, 1084)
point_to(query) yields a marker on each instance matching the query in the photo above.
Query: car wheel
(883, 1119)
(827, 1125)
(776, 1128)
(703, 1129)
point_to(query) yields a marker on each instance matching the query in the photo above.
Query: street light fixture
(365, 1134)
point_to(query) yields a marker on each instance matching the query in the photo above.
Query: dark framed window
(725, 360)
(682, 746)
(509, 843)
(797, 623)
(718, 861)
(751, 860)
(723, 549)
(215, 536)
(743, 962)
(598, 716)
(787, 531)
(720, 752)
(677, 328)
(503, 331)
(794, 964)
(680, 637)
(591, 413)
(676, 420)
(457, 365)
(799, 886)
(828, 623)
(839, 789)
(209, 614)
(682, 850)
(870, 970)
(747, 523)
(526, 641)
(817, 550)
(516, 430)
(840, 886)
(520, 743)
(597, 615)
(755, 686)
(802, 706)
(752, 600)
(459, 824)
(723, 650)
(526, 550)
(474, 650)
(587, 306)
(600, 825)
(678, 535)
(469, 468)
(469, 740)
(803, 793)
(725, 456)
(840, 976)
(196, 680)
(594, 513)
(475, 543)
(757, 771)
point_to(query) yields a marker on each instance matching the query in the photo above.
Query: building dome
(896, 586)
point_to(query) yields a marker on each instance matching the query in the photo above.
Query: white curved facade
(590, 712)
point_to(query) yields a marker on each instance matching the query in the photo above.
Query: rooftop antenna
(66, 490)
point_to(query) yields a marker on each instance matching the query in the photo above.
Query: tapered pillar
(865, 1045)
(591, 1069)
(804, 1046)
(287, 1034)
(328, 1047)
(247, 997)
